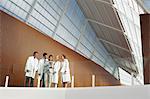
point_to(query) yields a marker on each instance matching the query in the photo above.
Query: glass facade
(64, 21)
(129, 12)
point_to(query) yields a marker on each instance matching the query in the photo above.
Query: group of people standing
(48, 70)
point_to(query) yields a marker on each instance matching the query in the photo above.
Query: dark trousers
(29, 82)
(42, 81)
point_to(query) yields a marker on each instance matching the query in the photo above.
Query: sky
(147, 3)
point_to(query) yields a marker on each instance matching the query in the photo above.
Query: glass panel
(70, 26)
(84, 50)
(86, 43)
(62, 41)
(66, 35)
(29, 1)
(125, 78)
(96, 60)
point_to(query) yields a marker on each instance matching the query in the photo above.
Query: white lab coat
(51, 70)
(42, 66)
(56, 72)
(31, 66)
(65, 70)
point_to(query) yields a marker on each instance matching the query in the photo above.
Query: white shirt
(43, 66)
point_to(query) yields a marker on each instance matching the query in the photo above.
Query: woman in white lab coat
(51, 69)
(65, 71)
(56, 72)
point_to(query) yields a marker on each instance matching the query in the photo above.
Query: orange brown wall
(145, 29)
(20, 40)
(0, 40)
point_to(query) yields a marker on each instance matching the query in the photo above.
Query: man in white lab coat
(65, 71)
(30, 69)
(43, 69)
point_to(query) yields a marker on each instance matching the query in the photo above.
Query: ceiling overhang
(104, 19)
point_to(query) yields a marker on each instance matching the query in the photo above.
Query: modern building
(104, 33)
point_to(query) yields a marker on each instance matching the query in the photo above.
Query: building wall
(145, 24)
(0, 43)
(20, 40)
(0, 38)
(64, 21)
